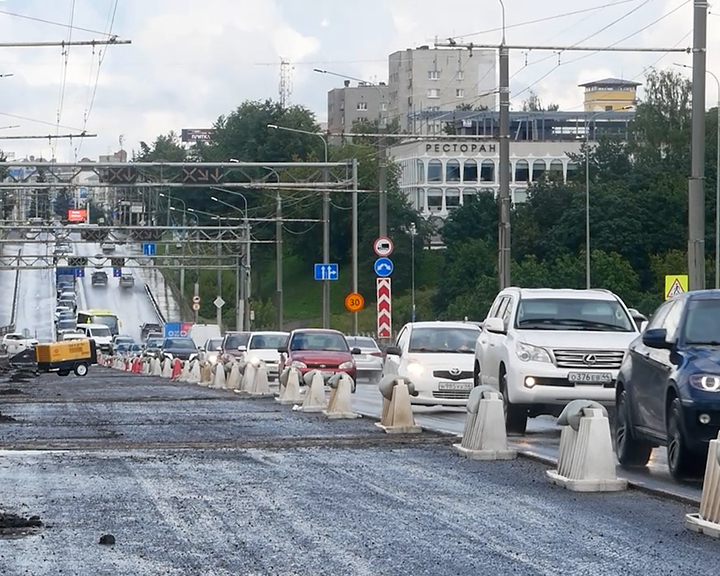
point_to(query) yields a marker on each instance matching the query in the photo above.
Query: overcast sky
(192, 60)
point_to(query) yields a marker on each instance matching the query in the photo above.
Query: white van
(98, 332)
(201, 333)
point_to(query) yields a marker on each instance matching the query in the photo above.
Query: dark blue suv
(668, 388)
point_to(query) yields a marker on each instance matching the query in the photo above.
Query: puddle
(14, 526)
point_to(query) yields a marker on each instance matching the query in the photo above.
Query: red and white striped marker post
(384, 308)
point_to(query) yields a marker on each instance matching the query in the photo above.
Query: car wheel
(682, 462)
(630, 452)
(63, 372)
(81, 370)
(515, 416)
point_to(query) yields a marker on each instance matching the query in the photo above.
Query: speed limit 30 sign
(354, 302)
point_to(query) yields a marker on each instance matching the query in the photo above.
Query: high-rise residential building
(350, 104)
(441, 80)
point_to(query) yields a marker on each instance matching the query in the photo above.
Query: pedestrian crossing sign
(675, 285)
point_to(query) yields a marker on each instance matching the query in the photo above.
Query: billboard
(196, 134)
(77, 215)
(177, 329)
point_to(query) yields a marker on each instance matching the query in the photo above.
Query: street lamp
(326, 219)
(413, 233)
(184, 227)
(587, 188)
(717, 181)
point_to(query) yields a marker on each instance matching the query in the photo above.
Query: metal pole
(182, 268)
(696, 191)
(248, 276)
(504, 223)
(382, 187)
(326, 245)
(167, 246)
(717, 187)
(355, 240)
(413, 232)
(218, 316)
(238, 299)
(279, 262)
(587, 208)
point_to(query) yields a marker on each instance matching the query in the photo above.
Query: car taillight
(377, 354)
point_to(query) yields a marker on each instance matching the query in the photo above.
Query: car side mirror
(495, 325)
(282, 349)
(393, 351)
(656, 338)
(201, 349)
(356, 351)
(639, 318)
(242, 348)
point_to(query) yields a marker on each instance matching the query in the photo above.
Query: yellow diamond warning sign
(675, 285)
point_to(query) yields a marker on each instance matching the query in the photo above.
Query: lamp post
(717, 180)
(413, 233)
(326, 220)
(242, 289)
(184, 225)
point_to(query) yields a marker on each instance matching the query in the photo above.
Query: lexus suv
(668, 390)
(542, 348)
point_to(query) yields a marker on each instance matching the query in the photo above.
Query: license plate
(455, 386)
(590, 377)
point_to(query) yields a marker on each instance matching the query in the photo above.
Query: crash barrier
(248, 378)
(234, 378)
(340, 402)
(397, 415)
(166, 371)
(206, 375)
(218, 380)
(176, 369)
(146, 366)
(707, 521)
(194, 376)
(484, 436)
(586, 461)
(289, 382)
(260, 384)
(314, 400)
(184, 372)
(156, 369)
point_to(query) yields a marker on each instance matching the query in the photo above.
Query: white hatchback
(437, 357)
(263, 346)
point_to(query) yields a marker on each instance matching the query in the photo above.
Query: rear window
(234, 341)
(101, 332)
(267, 341)
(359, 342)
(214, 345)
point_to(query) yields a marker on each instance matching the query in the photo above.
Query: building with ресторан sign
(438, 174)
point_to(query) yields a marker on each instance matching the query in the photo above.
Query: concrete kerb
(529, 454)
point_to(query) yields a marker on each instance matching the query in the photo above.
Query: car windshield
(443, 340)
(359, 342)
(67, 324)
(214, 345)
(179, 344)
(702, 323)
(154, 343)
(319, 341)
(101, 332)
(572, 314)
(234, 341)
(124, 340)
(267, 341)
(110, 321)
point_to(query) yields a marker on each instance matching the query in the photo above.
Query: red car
(324, 350)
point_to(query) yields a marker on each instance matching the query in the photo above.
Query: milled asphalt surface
(197, 481)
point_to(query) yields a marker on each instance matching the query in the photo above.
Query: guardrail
(13, 313)
(155, 305)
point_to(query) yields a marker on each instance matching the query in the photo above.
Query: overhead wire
(51, 22)
(63, 81)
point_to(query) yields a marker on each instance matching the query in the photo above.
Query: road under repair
(190, 480)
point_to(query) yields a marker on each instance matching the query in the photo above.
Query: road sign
(117, 262)
(196, 299)
(384, 308)
(325, 272)
(117, 272)
(79, 272)
(383, 246)
(219, 302)
(196, 306)
(383, 267)
(148, 249)
(354, 302)
(77, 261)
(675, 285)
(177, 329)
(195, 175)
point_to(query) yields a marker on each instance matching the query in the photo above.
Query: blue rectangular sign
(148, 249)
(172, 330)
(117, 272)
(325, 272)
(79, 272)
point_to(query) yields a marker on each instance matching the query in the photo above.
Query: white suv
(543, 348)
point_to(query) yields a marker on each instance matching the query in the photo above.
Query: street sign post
(196, 299)
(325, 272)
(675, 285)
(148, 249)
(196, 306)
(219, 302)
(383, 267)
(384, 308)
(117, 272)
(383, 246)
(354, 302)
(79, 272)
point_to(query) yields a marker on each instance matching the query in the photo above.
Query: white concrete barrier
(234, 379)
(194, 376)
(314, 400)
(397, 415)
(156, 369)
(184, 372)
(484, 436)
(206, 375)
(289, 382)
(218, 376)
(707, 521)
(340, 402)
(166, 370)
(248, 380)
(586, 461)
(146, 366)
(261, 385)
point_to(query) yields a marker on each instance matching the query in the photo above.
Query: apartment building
(350, 104)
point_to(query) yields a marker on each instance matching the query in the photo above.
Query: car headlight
(297, 364)
(530, 353)
(192, 357)
(254, 360)
(415, 368)
(705, 382)
(212, 358)
(347, 365)
(168, 355)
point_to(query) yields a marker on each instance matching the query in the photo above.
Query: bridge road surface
(542, 440)
(36, 296)
(191, 480)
